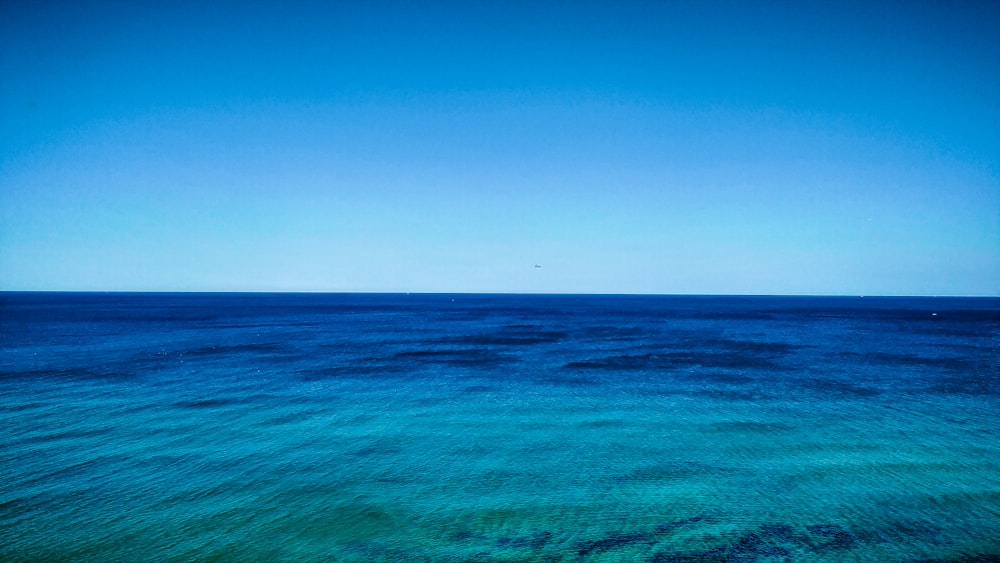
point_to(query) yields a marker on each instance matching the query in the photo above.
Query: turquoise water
(498, 428)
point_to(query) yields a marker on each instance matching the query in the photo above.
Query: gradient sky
(651, 147)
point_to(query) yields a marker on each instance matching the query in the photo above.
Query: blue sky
(648, 147)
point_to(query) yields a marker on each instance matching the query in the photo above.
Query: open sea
(368, 427)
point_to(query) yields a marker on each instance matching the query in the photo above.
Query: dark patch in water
(951, 363)
(677, 360)
(481, 389)
(614, 541)
(573, 381)
(228, 349)
(613, 333)
(514, 340)
(473, 357)
(748, 547)
(978, 383)
(525, 338)
(837, 387)
(602, 423)
(752, 346)
(92, 466)
(73, 434)
(768, 541)
(727, 394)
(20, 407)
(320, 374)
(782, 532)
(206, 403)
(903, 531)
(624, 539)
(612, 363)
(754, 545)
(833, 536)
(974, 558)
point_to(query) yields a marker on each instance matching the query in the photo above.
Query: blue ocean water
(360, 427)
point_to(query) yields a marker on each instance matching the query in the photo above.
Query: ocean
(377, 427)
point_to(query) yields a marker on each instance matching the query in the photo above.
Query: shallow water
(498, 428)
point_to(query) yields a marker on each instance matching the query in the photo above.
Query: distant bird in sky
(538, 265)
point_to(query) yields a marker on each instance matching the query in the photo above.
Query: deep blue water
(359, 427)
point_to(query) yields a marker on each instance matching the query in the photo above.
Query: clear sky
(652, 147)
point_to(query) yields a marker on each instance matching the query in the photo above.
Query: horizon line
(484, 293)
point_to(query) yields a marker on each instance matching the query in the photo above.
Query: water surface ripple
(346, 427)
